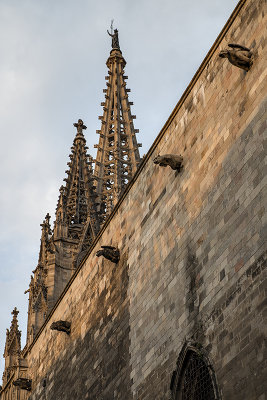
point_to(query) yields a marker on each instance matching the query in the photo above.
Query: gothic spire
(13, 336)
(77, 199)
(117, 152)
(12, 347)
(45, 237)
(37, 308)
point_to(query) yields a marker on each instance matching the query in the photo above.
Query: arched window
(194, 378)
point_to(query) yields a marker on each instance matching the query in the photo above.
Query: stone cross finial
(80, 126)
(15, 312)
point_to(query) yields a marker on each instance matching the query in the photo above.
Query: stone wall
(192, 247)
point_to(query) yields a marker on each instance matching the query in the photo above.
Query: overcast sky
(52, 71)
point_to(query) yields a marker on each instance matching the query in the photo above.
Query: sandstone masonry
(192, 268)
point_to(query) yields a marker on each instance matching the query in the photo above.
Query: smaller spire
(45, 238)
(115, 37)
(13, 346)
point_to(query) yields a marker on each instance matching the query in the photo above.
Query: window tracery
(194, 378)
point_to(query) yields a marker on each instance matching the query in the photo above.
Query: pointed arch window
(194, 378)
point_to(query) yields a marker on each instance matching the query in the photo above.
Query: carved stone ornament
(80, 126)
(115, 37)
(172, 160)
(23, 383)
(61, 326)
(238, 55)
(109, 252)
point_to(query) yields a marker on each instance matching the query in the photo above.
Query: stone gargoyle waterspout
(172, 160)
(61, 326)
(110, 253)
(238, 55)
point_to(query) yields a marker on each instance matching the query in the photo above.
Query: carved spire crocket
(117, 152)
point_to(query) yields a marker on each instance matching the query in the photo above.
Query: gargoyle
(109, 252)
(61, 326)
(173, 160)
(239, 56)
(23, 383)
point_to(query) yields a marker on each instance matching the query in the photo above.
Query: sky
(52, 72)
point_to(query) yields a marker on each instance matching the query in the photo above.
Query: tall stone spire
(117, 152)
(12, 348)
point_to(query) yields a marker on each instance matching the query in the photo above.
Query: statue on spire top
(115, 37)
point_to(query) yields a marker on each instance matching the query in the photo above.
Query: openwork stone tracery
(117, 152)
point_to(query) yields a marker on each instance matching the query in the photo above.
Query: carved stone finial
(239, 56)
(172, 160)
(46, 224)
(47, 218)
(61, 326)
(23, 383)
(80, 126)
(110, 253)
(15, 312)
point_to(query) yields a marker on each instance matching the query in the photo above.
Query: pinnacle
(14, 323)
(13, 344)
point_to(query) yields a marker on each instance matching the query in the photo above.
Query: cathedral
(151, 282)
